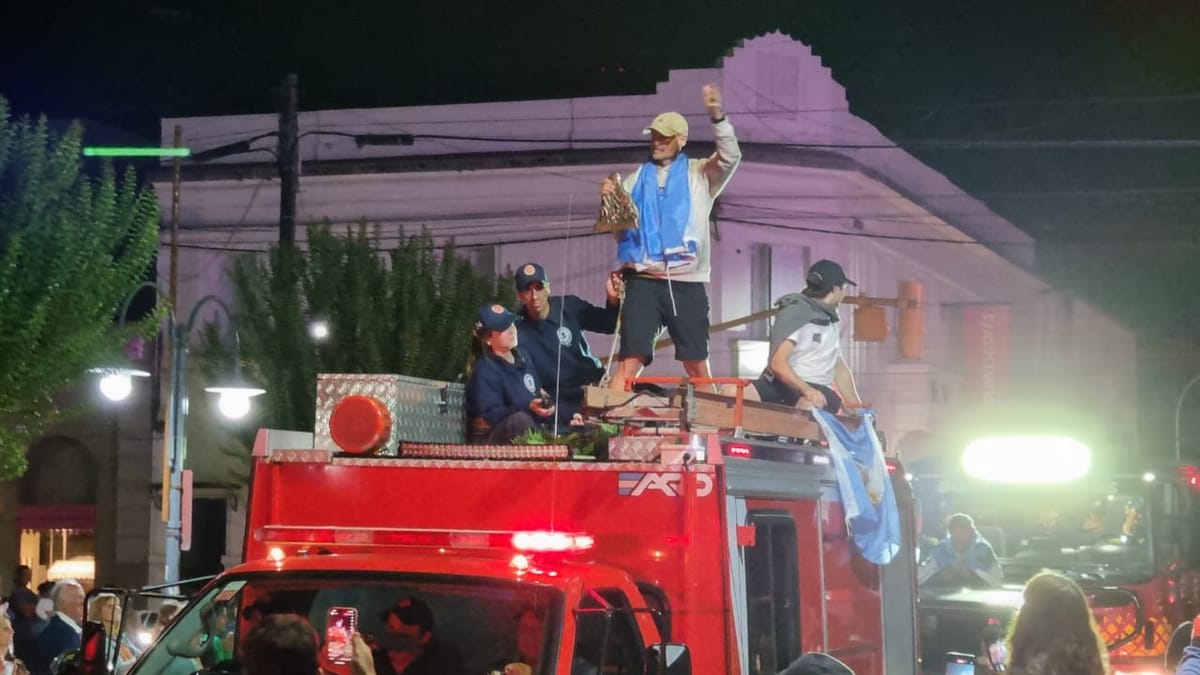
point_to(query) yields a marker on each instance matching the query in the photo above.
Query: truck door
(772, 592)
(606, 637)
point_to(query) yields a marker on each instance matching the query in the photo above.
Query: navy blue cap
(826, 274)
(495, 317)
(529, 273)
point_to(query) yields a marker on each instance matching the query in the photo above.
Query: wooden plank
(763, 418)
(710, 410)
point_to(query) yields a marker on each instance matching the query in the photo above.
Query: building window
(773, 592)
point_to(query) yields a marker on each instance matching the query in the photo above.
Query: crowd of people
(528, 369)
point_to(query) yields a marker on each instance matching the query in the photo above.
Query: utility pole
(289, 161)
(169, 345)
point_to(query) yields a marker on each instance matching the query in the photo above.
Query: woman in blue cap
(504, 398)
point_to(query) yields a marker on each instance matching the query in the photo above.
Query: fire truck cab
(704, 551)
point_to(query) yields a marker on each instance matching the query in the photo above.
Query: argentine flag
(865, 488)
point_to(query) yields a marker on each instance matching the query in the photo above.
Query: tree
(72, 246)
(408, 310)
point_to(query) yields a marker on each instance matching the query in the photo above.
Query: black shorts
(648, 308)
(771, 390)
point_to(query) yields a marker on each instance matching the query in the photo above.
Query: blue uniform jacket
(55, 639)
(497, 388)
(540, 341)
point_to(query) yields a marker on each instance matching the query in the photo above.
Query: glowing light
(276, 554)
(234, 401)
(116, 386)
(134, 151)
(233, 406)
(1027, 459)
(117, 383)
(737, 450)
(144, 637)
(318, 330)
(553, 542)
(519, 563)
(1148, 476)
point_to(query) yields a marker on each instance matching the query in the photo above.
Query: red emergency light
(552, 542)
(1190, 476)
(360, 425)
(738, 450)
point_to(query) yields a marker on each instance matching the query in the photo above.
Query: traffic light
(910, 325)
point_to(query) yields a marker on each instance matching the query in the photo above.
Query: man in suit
(63, 630)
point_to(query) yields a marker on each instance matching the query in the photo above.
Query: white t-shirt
(816, 352)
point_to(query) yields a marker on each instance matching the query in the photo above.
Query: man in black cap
(407, 645)
(551, 336)
(805, 355)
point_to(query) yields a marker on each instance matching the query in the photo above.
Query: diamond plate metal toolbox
(423, 411)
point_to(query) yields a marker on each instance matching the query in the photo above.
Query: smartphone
(958, 663)
(339, 626)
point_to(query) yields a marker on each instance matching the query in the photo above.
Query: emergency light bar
(528, 541)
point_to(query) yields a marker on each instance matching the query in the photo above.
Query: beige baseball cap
(668, 124)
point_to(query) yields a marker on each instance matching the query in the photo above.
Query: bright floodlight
(233, 406)
(319, 330)
(117, 383)
(234, 400)
(116, 386)
(1027, 459)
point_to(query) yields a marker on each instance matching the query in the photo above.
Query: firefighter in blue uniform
(504, 398)
(549, 324)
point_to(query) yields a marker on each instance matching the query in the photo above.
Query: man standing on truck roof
(551, 328)
(666, 257)
(805, 361)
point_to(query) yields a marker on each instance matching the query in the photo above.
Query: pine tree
(72, 247)
(408, 310)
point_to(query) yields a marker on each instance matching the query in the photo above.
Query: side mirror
(668, 658)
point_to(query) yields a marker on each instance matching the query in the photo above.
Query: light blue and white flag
(864, 485)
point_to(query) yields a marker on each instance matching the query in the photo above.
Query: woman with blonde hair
(1055, 632)
(105, 608)
(8, 664)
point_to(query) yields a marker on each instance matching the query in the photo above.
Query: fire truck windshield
(449, 624)
(1102, 535)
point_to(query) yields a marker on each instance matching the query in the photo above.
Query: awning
(57, 517)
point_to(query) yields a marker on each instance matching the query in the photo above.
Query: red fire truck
(703, 551)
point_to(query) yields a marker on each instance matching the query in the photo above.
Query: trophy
(617, 212)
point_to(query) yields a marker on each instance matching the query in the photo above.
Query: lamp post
(234, 402)
(1178, 409)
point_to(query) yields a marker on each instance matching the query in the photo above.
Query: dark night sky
(1120, 226)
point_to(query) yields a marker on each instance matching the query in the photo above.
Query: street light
(234, 402)
(1178, 409)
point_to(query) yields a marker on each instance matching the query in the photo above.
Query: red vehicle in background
(701, 552)
(1125, 531)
